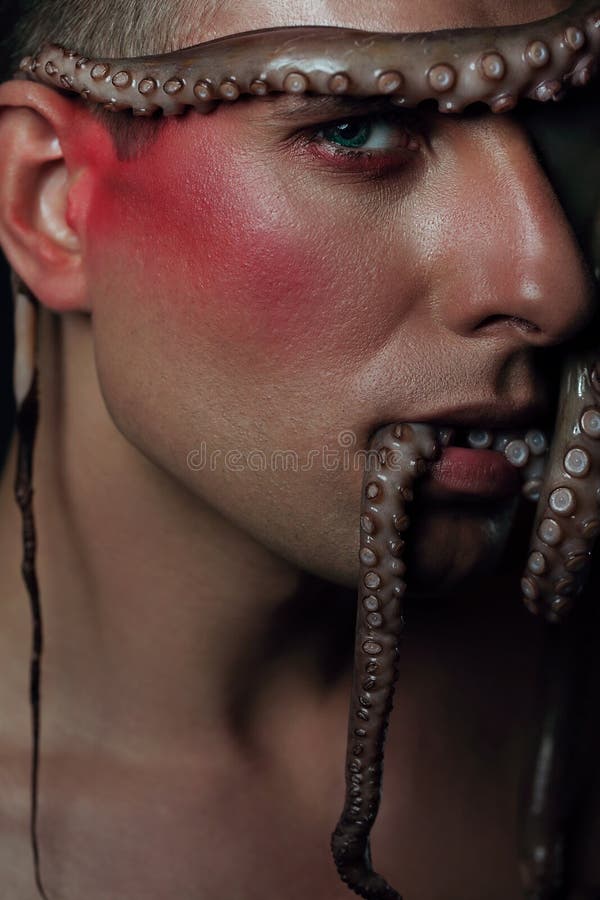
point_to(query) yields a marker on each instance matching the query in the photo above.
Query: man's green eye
(353, 134)
(373, 133)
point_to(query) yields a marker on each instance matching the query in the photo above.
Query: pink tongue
(484, 473)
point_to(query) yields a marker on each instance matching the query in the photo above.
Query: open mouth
(489, 463)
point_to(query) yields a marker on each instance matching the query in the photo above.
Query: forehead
(231, 16)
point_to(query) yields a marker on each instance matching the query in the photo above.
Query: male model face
(287, 270)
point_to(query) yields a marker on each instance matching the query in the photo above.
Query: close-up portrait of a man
(299, 449)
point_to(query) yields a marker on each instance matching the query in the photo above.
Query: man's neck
(149, 596)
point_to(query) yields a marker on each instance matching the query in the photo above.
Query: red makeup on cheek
(215, 244)
(91, 152)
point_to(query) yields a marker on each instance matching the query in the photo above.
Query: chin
(454, 542)
(449, 543)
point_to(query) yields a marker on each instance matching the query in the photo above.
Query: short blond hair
(109, 28)
(105, 27)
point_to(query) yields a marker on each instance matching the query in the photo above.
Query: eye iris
(349, 134)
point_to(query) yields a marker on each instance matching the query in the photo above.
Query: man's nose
(514, 265)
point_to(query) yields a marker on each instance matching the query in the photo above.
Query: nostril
(523, 325)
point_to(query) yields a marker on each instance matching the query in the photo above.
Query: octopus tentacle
(533, 477)
(496, 66)
(551, 782)
(568, 518)
(403, 452)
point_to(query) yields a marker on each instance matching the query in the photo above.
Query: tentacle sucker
(568, 518)
(402, 453)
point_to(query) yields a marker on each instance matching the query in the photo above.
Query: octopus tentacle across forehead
(495, 66)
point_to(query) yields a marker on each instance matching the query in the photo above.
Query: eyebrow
(284, 108)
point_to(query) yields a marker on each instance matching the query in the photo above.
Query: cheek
(214, 250)
(218, 247)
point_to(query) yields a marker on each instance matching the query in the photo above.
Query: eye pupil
(353, 133)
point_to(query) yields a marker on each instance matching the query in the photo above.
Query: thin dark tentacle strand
(402, 453)
(27, 422)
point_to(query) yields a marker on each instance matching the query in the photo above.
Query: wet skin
(242, 306)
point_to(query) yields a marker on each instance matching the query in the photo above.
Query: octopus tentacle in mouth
(564, 477)
(402, 454)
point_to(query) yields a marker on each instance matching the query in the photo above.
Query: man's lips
(480, 473)
(485, 463)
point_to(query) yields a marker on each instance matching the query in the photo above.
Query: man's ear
(37, 176)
